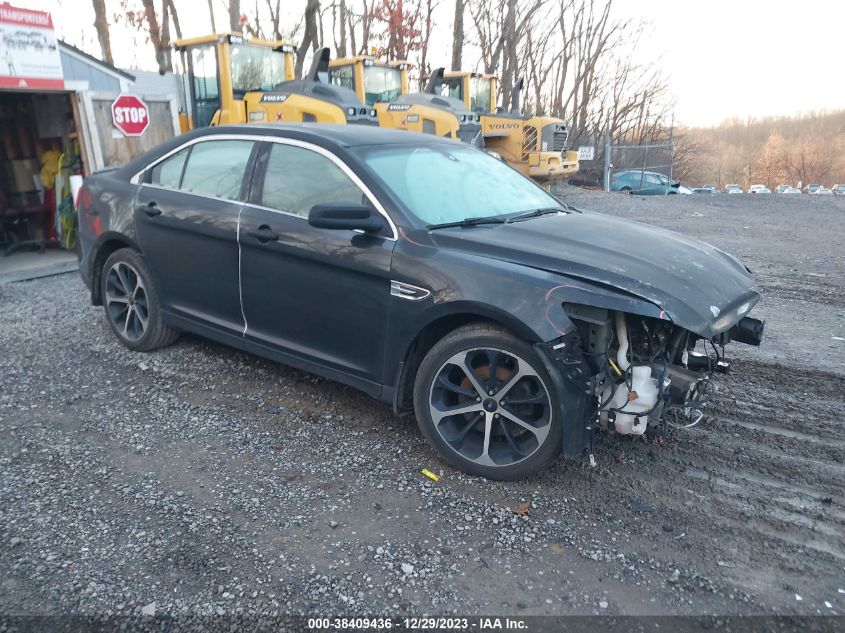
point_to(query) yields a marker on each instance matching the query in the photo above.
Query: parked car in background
(781, 188)
(704, 190)
(733, 189)
(711, 188)
(838, 190)
(791, 191)
(643, 183)
(822, 191)
(684, 189)
(759, 189)
(482, 305)
(812, 188)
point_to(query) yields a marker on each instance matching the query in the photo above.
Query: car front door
(315, 294)
(186, 214)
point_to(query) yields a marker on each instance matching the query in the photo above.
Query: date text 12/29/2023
(479, 623)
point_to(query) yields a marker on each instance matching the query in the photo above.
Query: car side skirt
(237, 341)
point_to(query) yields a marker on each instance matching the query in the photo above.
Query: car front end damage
(625, 372)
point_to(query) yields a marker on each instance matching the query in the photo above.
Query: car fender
(462, 287)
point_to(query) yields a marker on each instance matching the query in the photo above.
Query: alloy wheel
(126, 301)
(490, 406)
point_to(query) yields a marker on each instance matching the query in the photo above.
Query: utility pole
(671, 146)
(607, 164)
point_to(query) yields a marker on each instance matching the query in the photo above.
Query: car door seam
(240, 279)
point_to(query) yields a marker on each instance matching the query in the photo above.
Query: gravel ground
(200, 480)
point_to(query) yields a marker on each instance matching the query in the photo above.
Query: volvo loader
(534, 145)
(233, 79)
(384, 86)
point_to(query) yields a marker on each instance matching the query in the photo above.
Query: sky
(722, 58)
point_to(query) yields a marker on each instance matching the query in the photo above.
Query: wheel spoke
(120, 271)
(129, 312)
(492, 362)
(540, 433)
(470, 374)
(112, 298)
(438, 414)
(444, 382)
(142, 318)
(488, 432)
(470, 425)
(518, 375)
(539, 398)
(509, 438)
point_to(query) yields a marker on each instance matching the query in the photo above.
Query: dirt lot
(205, 481)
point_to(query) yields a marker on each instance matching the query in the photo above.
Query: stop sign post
(130, 115)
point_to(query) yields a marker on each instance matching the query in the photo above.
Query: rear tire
(131, 303)
(485, 401)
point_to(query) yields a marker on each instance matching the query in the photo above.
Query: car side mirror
(347, 216)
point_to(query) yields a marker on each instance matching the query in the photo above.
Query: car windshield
(441, 184)
(382, 84)
(255, 68)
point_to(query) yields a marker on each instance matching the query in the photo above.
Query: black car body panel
(354, 306)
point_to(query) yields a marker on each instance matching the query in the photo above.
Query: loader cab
(224, 68)
(477, 91)
(373, 81)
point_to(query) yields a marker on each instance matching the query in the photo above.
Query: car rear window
(168, 173)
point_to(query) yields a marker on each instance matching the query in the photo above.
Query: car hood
(698, 286)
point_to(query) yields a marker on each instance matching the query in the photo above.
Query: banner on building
(29, 54)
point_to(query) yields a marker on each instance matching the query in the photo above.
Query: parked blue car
(643, 183)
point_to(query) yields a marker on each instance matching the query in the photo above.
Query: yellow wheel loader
(534, 145)
(384, 86)
(233, 79)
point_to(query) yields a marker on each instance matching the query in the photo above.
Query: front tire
(485, 401)
(131, 303)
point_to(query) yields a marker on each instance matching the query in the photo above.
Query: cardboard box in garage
(21, 172)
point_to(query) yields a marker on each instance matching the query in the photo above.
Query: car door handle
(263, 234)
(151, 209)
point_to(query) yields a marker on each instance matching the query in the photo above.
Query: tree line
(807, 148)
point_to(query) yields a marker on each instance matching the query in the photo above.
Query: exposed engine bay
(644, 367)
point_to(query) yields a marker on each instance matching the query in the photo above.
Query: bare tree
(235, 16)
(275, 17)
(310, 38)
(211, 15)
(457, 35)
(425, 37)
(101, 24)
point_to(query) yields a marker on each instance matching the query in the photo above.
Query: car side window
(168, 172)
(297, 178)
(216, 168)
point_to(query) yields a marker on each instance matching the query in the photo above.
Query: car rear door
(186, 214)
(316, 294)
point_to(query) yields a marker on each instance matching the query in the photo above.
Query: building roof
(101, 65)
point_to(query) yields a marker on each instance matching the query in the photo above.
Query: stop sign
(130, 115)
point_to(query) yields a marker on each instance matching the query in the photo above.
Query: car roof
(330, 136)
(345, 135)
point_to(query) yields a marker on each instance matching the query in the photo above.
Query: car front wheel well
(103, 253)
(403, 402)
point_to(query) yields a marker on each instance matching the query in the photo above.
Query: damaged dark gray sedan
(423, 272)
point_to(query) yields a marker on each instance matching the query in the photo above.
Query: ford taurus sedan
(423, 272)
